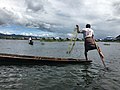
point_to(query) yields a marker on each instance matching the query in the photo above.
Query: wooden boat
(21, 59)
(31, 42)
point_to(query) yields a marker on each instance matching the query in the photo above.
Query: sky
(59, 17)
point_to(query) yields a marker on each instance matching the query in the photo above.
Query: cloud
(116, 7)
(34, 6)
(62, 15)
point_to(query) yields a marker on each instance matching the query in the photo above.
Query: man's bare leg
(86, 55)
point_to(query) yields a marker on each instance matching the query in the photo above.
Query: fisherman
(30, 40)
(88, 35)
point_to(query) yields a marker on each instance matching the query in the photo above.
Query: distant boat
(30, 41)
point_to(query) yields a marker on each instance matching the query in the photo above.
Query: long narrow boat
(25, 59)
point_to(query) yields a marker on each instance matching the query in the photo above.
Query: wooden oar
(100, 53)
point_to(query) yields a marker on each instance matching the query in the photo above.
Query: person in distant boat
(88, 35)
(30, 41)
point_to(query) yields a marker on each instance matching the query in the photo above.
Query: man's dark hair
(88, 26)
(77, 26)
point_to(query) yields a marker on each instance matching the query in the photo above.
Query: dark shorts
(89, 44)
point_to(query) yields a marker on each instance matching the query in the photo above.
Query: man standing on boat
(88, 35)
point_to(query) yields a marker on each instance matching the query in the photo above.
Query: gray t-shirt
(87, 32)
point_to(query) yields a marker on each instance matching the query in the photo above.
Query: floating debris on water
(106, 44)
(42, 43)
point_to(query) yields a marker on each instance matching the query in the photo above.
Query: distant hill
(24, 37)
(118, 37)
(1, 34)
(13, 36)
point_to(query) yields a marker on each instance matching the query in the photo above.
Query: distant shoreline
(49, 39)
(58, 40)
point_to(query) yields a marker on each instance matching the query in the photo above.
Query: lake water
(60, 77)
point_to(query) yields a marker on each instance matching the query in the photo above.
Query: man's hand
(77, 28)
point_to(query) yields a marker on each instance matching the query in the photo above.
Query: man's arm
(78, 30)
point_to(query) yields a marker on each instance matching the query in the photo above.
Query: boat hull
(25, 59)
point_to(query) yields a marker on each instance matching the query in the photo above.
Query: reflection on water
(60, 77)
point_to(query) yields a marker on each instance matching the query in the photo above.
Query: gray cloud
(61, 15)
(116, 7)
(35, 5)
(5, 16)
